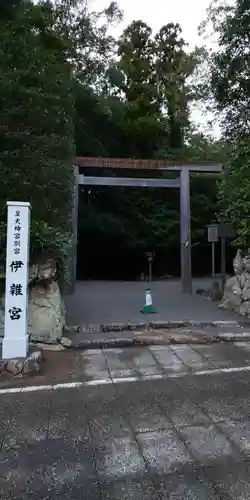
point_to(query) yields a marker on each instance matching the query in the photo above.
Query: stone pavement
(108, 366)
(158, 423)
(182, 438)
(101, 302)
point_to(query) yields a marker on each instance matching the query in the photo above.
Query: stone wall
(46, 306)
(237, 290)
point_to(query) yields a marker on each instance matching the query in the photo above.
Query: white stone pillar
(15, 341)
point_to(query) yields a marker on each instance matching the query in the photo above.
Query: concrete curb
(155, 325)
(111, 343)
(119, 327)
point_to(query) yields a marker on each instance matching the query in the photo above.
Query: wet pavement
(146, 334)
(100, 302)
(147, 423)
(134, 363)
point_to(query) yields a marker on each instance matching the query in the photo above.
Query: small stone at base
(31, 367)
(49, 347)
(65, 342)
(15, 366)
(3, 365)
(71, 329)
(36, 356)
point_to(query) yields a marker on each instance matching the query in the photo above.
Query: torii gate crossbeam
(182, 182)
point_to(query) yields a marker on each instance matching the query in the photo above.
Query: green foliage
(231, 69)
(230, 84)
(8, 8)
(201, 147)
(234, 192)
(36, 125)
(97, 123)
(51, 242)
(90, 47)
(143, 125)
(66, 84)
(172, 71)
(143, 112)
(136, 51)
(154, 80)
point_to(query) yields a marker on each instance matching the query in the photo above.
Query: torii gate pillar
(185, 236)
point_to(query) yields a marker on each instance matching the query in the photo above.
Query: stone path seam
(182, 439)
(8, 426)
(93, 454)
(135, 435)
(215, 423)
(47, 437)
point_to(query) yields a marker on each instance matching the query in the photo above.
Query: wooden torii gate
(182, 182)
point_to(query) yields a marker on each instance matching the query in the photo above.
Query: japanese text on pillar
(16, 288)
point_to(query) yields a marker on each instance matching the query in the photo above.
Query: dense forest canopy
(68, 87)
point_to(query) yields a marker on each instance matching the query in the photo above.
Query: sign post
(150, 257)
(15, 342)
(213, 237)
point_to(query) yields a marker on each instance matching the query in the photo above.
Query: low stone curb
(155, 325)
(137, 338)
(116, 327)
(160, 340)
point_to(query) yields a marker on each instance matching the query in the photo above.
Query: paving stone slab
(99, 399)
(208, 444)
(69, 459)
(147, 418)
(109, 425)
(164, 452)
(123, 373)
(7, 409)
(181, 411)
(118, 457)
(148, 371)
(202, 388)
(75, 488)
(29, 424)
(168, 360)
(232, 480)
(29, 488)
(223, 410)
(142, 410)
(19, 471)
(129, 490)
(190, 485)
(239, 435)
(190, 357)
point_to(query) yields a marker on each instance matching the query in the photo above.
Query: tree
(136, 51)
(143, 125)
(172, 70)
(204, 147)
(97, 123)
(8, 8)
(90, 47)
(155, 73)
(36, 127)
(231, 69)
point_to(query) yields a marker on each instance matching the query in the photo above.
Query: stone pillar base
(16, 347)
